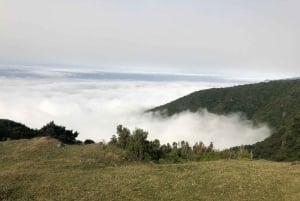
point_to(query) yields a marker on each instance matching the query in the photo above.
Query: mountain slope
(276, 103)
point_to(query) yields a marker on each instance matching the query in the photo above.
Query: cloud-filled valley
(94, 107)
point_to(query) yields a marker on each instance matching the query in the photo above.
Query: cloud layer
(223, 130)
(96, 107)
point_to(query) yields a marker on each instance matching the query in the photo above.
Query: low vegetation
(38, 169)
(134, 144)
(137, 148)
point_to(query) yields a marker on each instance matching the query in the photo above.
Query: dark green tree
(154, 149)
(113, 140)
(59, 132)
(185, 150)
(14, 131)
(137, 144)
(123, 136)
(165, 150)
(89, 141)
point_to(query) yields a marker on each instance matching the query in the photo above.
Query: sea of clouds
(94, 107)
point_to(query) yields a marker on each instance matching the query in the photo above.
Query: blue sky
(241, 37)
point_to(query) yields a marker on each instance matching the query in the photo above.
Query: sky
(232, 37)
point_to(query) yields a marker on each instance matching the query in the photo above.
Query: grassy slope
(37, 169)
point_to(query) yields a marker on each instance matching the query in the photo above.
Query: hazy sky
(215, 36)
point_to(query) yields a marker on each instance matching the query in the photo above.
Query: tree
(59, 132)
(123, 136)
(185, 150)
(113, 140)
(13, 130)
(137, 144)
(154, 149)
(199, 148)
(165, 150)
(210, 147)
(89, 141)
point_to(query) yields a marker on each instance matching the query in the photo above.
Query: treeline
(135, 145)
(10, 130)
(138, 148)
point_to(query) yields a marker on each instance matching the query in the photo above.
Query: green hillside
(10, 130)
(38, 169)
(276, 103)
(13, 130)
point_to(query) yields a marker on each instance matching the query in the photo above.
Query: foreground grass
(38, 170)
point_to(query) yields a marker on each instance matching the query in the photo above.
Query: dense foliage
(138, 148)
(284, 144)
(14, 131)
(276, 103)
(59, 132)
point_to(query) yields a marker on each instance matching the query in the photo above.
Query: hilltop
(276, 103)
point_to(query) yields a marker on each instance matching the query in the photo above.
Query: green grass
(38, 170)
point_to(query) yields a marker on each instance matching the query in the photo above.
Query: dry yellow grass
(89, 172)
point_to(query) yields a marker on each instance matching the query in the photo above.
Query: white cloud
(223, 130)
(96, 107)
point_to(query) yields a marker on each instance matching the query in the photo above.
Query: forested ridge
(276, 103)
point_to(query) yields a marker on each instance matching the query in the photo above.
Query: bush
(88, 141)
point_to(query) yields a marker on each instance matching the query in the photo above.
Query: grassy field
(38, 169)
